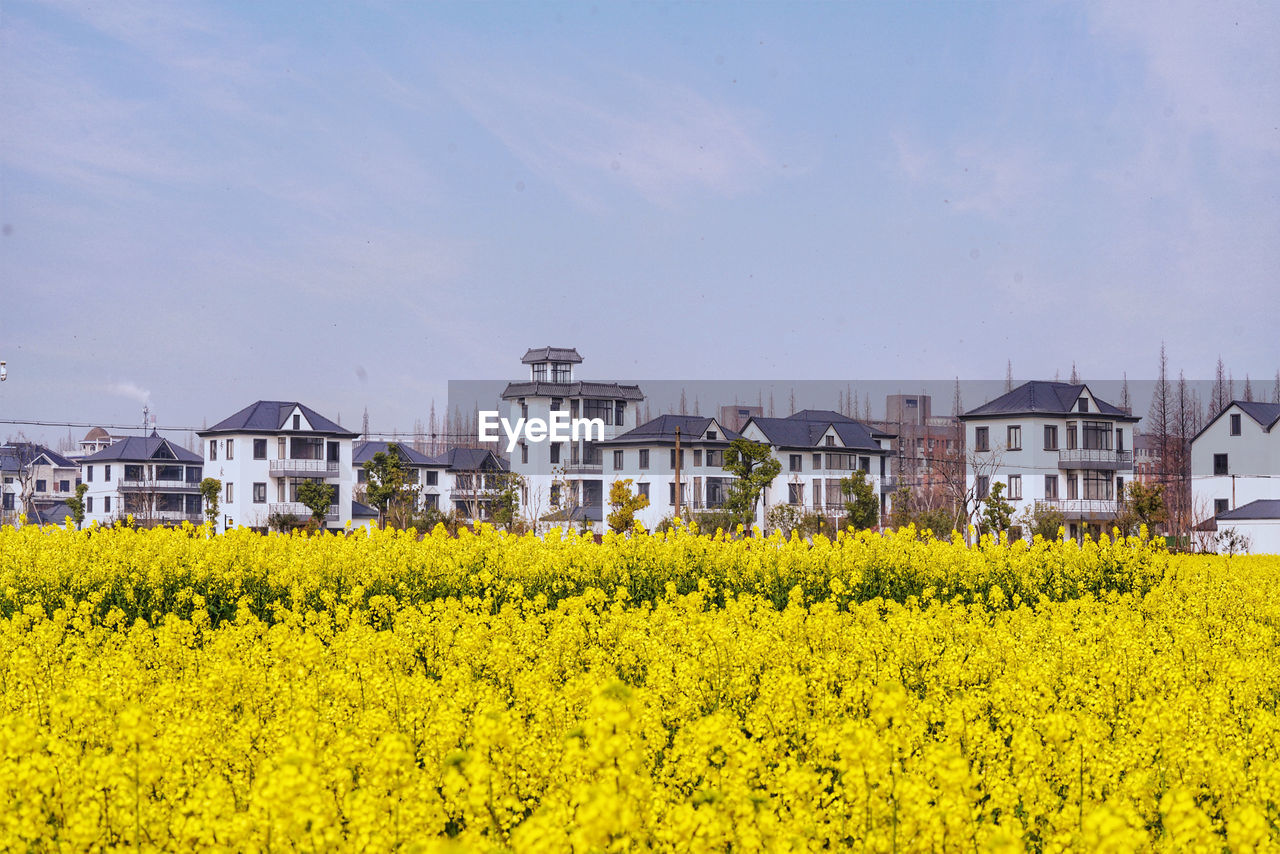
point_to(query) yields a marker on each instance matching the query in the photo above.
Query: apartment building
(265, 452)
(1055, 443)
(926, 452)
(572, 472)
(150, 478)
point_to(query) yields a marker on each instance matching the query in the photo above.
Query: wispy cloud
(660, 139)
(129, 389)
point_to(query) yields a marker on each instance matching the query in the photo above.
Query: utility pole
(677, 511)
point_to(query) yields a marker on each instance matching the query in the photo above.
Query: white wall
(1251, 454)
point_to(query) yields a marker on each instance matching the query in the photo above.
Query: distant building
(1235, 459)
(736, 416)
(566, 473)
(1146, 459)
(265, 452)
(48, 476)
(1257, 524)
(429, 474)
(155, 481)
(1053, 443)
(97, 439)
(927, 451)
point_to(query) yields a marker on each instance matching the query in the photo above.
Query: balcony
(1095, 508)
(1095, 459)
(160, 486)
(303, 468)
(584, 468)
(300, 510)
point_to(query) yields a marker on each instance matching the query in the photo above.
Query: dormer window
(711, 435)
(1082, 405)
(297, 421)
(831, 441)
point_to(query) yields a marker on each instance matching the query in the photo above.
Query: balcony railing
(1094, 458)
(303, 468)
(161, 485)
(300, 510)
(584, 468)
(1071, 507)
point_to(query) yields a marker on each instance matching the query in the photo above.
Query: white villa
(264, 452)
(1235, 473)
(148, 477)
(1055, 443)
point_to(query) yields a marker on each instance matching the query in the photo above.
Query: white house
(264, 452)
(818, 448)
(430, 475)
(148, 477)
(48, 477)
(1055, 443)
(1235, 459)
(471, 479)
(647, 456)
(574, 470)
(1257, 524)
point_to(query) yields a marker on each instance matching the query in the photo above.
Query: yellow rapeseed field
(171, 690)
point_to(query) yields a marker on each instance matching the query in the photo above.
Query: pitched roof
(270, 416)
(552, 354)
(663, 429)
(56, 514)
(1264, 508)
(362, 511)
(1039, 397)
(805, 429)
(141, 449)
(580, 388)
(1266, 414)
(30, 453)
(471, 459)
(364, 451)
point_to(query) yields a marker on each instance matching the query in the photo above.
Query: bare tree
(1220, 398)
(1248, 389)
(1126, 403)
(1275, 389)
(1008, 375)
(1075, 375)
(957, 403)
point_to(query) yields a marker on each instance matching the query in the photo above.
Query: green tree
(1142, 505)
(997, 512)
(316, 496)
(1043, 519)
(861, 507)
(211, 489)
(388, 486)
(753, 468)
(503, 499)
(624, 504)
(76, 505)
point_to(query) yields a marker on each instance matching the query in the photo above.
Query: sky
(352, 204)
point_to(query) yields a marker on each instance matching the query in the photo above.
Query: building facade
(1235, 459)
(150, 478)
(1055, 444)
(265, 452)
(33, 480)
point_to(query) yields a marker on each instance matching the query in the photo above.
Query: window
(132, 472)
(984, 486)
(88, 503)
(41, 485)
(642, 489)
(671, 493)
(231, 449)
(1119, 439)
(841, 462)
(1220, 464)
(864, 464)
(106, 504)
(555, 452)
(1120, 488)
(711, 435)
(1221, 505)
(1071, 435)
(1051, 437)
(1082, 405)
(1235, 425)
(524, 453)
(561, 372)
(797, 462)
(644, 458)
(1073, 487)
(594, 407)
(280, 455)
(334, 449)
(673, 458)
(88, 474)
(619, 411)
(817, 462)
(259, 493)
(1014, 442)
(297, 421)
(617, 460)
(362, 476)
(259, 449)
(540, 372)
(795, 493)
(433, 477)
(831, 441)
(431, 501)
(1098, 486)
(1015, 487)
(1051, 487)
(106, 472)
(981, 439)
(64, 486)
(557, 403)
(1097, 436)
(524, 409)
(230, 492)
(715, 458)
(213, 449)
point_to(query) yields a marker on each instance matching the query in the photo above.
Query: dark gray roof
(31, 453)
(1265, 508)
(1045, 398)
(364, 451)
(56, 514)
(552, 354)
(663, 430)
(470, 459)
(805, 430)
(270, 416)
(141, 449)
(362, 511)
(575, 514)
(1266, 414)
(613, 391)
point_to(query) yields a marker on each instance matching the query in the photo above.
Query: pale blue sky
(208, 204)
